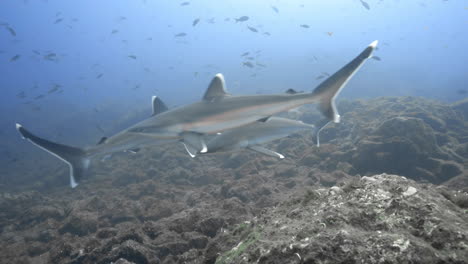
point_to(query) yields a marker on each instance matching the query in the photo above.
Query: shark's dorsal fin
(216, 89)
(158, 106)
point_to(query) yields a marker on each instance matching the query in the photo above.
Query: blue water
(422, 46)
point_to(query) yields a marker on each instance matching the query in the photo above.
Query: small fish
(305, 26)
(252, 29)
(15, 58)
(185, 4)
(100, 129)
(267, 33)
(180, 35)
(227, 19)
(245, 54)
(99, 75)
(150, 38)
(114, 31)
(319, 77)
(147, 69)
(75, 19)
(195, 22)
(365, 5)
(250, 58)
(195, 74)
(241, 19)
(11, 30)
(53, 89)
(58, 14)
(58, 20)
(211, 20)
(326, 73)
(36, 52)
(132, 57)
(21, 95)
(377, 58)
(39, 97)
(51, 56)
(248, 64)
(275, 9)
(36, 108)
(462, 91)
(136, 86)
(330, 33)
(121, 18)
(260, 64)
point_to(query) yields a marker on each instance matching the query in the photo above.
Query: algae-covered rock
(383, 217)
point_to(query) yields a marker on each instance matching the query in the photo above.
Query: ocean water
(73, 72)
(77, 71)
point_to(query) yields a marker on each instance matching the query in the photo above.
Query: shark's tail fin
(75, 158)
(331, 87)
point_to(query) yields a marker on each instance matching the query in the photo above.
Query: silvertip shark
(217, 112)
(252, 135)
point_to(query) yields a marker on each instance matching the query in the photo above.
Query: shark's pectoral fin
(133, 150)
(266, 151)
(194, 143)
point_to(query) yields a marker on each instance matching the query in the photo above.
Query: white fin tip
(374, 43)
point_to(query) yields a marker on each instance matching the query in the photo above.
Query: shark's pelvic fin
(216, 90)
(321, 125)
(194, 143)
(266, 151)
(331, 87)
(75, 158)
(158, 106)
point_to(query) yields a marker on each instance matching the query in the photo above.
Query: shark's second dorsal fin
(263, 120)
(158, 106)
(291, 91)
(216, 89)
(102, 140)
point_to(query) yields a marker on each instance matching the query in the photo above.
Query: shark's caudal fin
(74, 157)
(331, 87)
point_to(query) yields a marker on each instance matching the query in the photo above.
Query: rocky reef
(316, 206)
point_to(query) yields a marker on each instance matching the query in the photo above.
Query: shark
(252, 135)
(217, 112)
